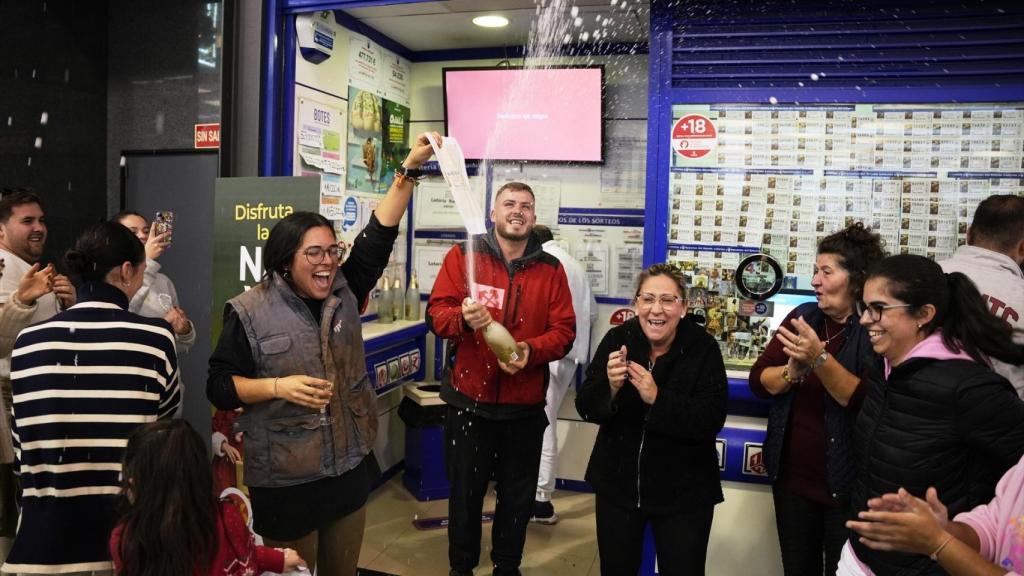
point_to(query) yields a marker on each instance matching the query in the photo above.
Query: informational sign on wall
(694, 136)
(782, 177)
(245, 209)
(785, 176)
(364, 64)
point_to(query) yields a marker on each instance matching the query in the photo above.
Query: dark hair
(857, 248)
(168, 513)
(126, 213)
(514, 186)
(999, 222)
(959, 308)
(286, 237)
(543, 233)
(14, 197)
(673, 271)
(102, 247)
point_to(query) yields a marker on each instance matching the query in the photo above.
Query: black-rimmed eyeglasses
(316, 254)
(875, 309)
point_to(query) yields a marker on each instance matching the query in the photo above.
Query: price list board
(776, 179)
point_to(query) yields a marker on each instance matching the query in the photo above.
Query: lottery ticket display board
(778, 178)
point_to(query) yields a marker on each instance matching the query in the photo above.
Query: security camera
(316, 35)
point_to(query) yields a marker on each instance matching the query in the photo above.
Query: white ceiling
(448, 24)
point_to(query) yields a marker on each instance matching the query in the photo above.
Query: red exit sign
(207, 135)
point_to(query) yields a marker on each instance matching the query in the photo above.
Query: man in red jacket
(495, 420)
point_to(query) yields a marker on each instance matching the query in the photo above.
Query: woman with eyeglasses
(811, 371)
(935, 414)
(657, 387)
(291, 354)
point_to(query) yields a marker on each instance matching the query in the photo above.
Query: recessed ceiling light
(491, 21)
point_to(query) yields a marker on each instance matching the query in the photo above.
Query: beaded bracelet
(935, 555)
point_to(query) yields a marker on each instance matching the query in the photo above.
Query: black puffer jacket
(678, 464)
(952, 424)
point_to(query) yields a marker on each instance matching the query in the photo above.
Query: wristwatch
(820, 358)
(410, 173)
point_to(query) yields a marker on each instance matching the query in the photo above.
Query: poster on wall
(781, 177)
(364, 64)
(365, 115)
(393, 148)
(319, 139)
(245, 209)
(396, 73)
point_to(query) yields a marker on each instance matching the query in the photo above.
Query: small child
(170, 522)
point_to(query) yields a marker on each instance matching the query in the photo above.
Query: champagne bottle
(386, 305)
(412, 299)
(500, 341)
(398, 302)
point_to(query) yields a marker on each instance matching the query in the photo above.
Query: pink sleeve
(988, 520)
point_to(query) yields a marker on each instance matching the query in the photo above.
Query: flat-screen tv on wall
(517, 114)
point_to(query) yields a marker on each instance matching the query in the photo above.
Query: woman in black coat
(657, 386)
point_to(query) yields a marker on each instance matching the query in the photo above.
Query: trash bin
(423, 411)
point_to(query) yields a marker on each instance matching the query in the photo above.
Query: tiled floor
(392, 544)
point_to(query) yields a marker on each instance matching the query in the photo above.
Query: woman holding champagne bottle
(291, 353)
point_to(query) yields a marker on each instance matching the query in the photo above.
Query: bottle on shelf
(500, 341)
(412, 299)
(386, 304)
(398, 299)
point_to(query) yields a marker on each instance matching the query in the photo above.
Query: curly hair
(669, 269)
(858, 248)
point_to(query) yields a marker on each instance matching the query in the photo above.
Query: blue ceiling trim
(849, 94)
(510, 52)
(801, 55)
(372, 33)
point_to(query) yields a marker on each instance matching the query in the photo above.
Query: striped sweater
(83, 381)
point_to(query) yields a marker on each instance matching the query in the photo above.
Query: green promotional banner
(396, 134)
(245, 209)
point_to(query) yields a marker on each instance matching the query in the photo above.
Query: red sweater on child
(237, 553)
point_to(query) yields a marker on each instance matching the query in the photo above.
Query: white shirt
(1001, 282)
(583, 303)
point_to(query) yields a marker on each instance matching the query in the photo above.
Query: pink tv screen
(550, 114)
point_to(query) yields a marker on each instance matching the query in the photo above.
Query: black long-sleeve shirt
(233, 355)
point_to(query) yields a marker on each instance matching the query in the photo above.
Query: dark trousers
(476, 448)
(808, 534)
(680, 540)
